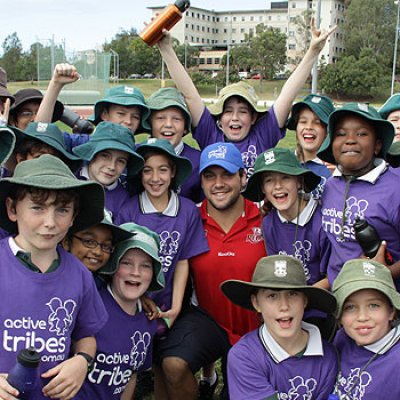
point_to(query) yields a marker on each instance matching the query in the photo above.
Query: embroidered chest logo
(60, 318)
(280, 268)
(140, 344)
(255, 236)
(300, 389)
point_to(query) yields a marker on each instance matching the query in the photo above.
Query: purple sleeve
(207, 132)
(74, 139)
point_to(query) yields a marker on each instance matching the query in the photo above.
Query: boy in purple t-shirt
(170, 119)
(236, 117)
(108, 153)
(285, 358)
(362, 186)
(124, 345)
(49, 299)
(369, 343)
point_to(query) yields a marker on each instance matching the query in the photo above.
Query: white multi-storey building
(215, 30)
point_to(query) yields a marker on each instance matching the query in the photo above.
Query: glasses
(27, 114)
(92, 244)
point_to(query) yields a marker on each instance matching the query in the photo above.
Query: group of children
(128, 215)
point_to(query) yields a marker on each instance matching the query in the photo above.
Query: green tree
(12, 56)
(145, 59)
(192, 52)
(302, 23)
(370, 24)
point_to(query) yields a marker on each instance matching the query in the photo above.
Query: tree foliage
(12, 56)
(302, 24)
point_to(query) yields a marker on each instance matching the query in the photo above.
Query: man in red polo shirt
(232, 225)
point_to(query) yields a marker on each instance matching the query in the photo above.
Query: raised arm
(298, 78)
(181, 78)
(63, 74)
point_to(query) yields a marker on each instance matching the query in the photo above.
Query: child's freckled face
(355, 145)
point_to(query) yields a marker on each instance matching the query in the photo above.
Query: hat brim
(217, 108)
(91, 195)
(7, 144)
(157, 282)
(384, 131)
(316, 109)
(239, 292)
(253, 190)
(5, 93)
(348, 288)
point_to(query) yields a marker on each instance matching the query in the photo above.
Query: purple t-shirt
(191, 188)
(378, 380)
(75, 139)
(308, 243)
(181, 237)
(378, 203)
(124, 347)
(253, 374)
(264, 134)
(46, 311)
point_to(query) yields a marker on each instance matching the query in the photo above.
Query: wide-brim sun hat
(384, 129)
(51, 135)
(183, 165)
(278, 272)
(221, 154)
(140, 238)
(168, 97)
(7, 144)
(49, 172)
(391, 104)
(359, 274)
(110, 136)
(279, 160)
(126, 96)
(322, 106)
(25, 95)
(393, 155)
(3, 86)
(240, 89)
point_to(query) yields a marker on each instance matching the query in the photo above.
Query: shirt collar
(147, 206)
(85, 173)
(179, 148)
(304, 216)
(371, 176)
(278, 354)
(14, 247)
(386, 343)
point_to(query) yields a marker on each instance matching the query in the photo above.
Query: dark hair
(40, 196)
(30, 146)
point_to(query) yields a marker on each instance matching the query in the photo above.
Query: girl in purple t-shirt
(367, 308)
(285, 358)
(124, 345)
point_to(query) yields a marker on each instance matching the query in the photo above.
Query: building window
(198, 16)
(241, 30)
(201, 61)
(260, 18)
(203, 29)
(217, 60)
(198, 27)
(269, 18)
(293, 5)
(234, 19)
(226, 19)
(209, 61)
(234, 30)
(292, 46)
(197, 39)
(251, 18)
(233, 41)
(216, 30)
(208, 29)
(202, 40)
(225, 30)
(291, 33)
(243, 19)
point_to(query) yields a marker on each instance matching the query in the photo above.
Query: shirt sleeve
(207, 131)
(74, 139)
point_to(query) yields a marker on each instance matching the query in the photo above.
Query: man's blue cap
(224, 155)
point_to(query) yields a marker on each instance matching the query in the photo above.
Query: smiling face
(128, 116)
(237, 118)
(394, 118)
(222, 188)
(366, 316)
(107, 166)
(93, 258)
(26, 113)
(355, 145)
(310, 133)
(281, 191)
(132, 278)
(41, 224)
(282, 312)
(168, 124)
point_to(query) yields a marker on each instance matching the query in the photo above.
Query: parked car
(243, 74)
(135, 76)
(256, 76)
(149, 76)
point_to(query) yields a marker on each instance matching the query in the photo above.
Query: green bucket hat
(393, 155)
(384, 129)
(51, 135)
(49, 172)
(119, 234)
(391, 104)
(183, 165)
(278, 160)
(278, 272)
(168, 97)
(123, 96)
(110, 136)
(140, 238)
(240, 89)
(361, 274)
(7, 143)
(322, 106)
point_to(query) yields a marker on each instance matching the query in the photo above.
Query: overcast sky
(86, 24)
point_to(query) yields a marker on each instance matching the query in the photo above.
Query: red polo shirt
(232, 255)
